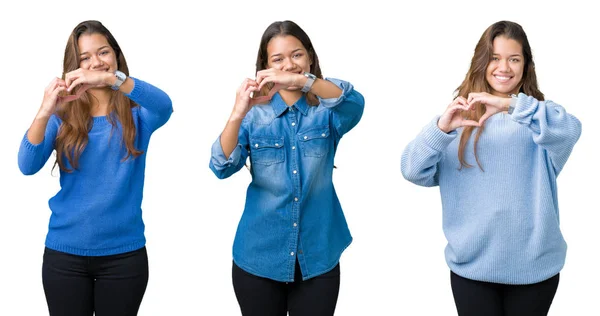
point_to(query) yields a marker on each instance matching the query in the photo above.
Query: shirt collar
(279, 105)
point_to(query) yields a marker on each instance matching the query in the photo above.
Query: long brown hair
(475, 80)
(283, 28)
(76, 116)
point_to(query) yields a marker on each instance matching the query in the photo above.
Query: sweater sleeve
(33, 157)
(420, 158)
(224, 167)
(553, 129)
(155, 105)
(347, 109)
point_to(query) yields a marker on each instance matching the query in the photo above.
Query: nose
(289, 65)
(96, 62)
(504, 65)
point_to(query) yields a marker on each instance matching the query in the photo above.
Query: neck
(290, 97)
(100, 98)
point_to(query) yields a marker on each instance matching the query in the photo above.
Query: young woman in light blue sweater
(99, 121)
(495, 153)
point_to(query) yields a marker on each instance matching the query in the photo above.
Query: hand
(284, 78)
(52, 98)
(453, 117)
(243, 100)
(493, 104)
(95, 79)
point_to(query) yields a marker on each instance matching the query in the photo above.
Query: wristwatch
(120, 79)
(513, 103)
(309, 82)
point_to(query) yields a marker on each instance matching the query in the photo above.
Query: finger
(54, 95)
(264, 81)
(84, 87)
(485, 116)
(276, 87)
(67, 99)
(70, 76)
(453, 109)
(259, 77)
(461, 100)
(75, 83)
(470, 123)
(473, 95)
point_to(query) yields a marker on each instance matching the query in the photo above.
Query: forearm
(37, 130)
(323, 88)
(229, 136)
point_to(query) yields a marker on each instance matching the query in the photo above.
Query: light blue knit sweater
(502, 224)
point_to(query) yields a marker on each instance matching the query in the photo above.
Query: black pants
(492, 299)
(264, 297)
(107, 285)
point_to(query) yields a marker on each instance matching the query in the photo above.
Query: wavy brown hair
(76, 116)
(475, 80)
(283, 28)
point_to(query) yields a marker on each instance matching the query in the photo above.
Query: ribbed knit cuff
(28, 145)
(525, 107)
(435, 138)
(138, 90)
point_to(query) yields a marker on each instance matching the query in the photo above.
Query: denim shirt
(292, 211)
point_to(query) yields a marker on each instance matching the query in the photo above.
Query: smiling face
(288, 54)
(505, 69)
(96, 53)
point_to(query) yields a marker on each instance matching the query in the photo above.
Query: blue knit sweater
(98, 211)
(502, 224)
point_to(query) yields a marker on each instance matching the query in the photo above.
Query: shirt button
(323, 134)
(256, 145)
(293, 123)
(296, 199)
(291, 253)
(276, 145)
(295, 224)
(295, 171)
(293, 147)
(305, 137)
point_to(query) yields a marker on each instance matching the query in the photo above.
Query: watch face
(121, 76)
(309, 75)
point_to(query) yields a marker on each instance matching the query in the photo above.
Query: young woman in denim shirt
(498, 181)
(293, 231)
(100, 121)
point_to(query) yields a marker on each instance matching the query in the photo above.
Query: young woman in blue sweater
(99, 121)
(293, 231)
(495, 153)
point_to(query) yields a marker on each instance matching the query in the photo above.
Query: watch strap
(310, 80)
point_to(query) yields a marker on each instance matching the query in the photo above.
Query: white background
(405, 58)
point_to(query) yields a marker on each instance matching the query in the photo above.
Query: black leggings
(492, 299)
(264, 297)
(107, 285)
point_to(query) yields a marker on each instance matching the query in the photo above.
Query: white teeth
(502, 78)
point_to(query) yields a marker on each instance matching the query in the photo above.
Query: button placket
(296, 187)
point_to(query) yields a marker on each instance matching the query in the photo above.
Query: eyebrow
(279, 54)
(99, 49)
(513, 55)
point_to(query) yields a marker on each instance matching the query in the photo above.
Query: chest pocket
(267, 150)
(315, 142)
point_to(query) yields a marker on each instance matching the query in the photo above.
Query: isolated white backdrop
(405, 58)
